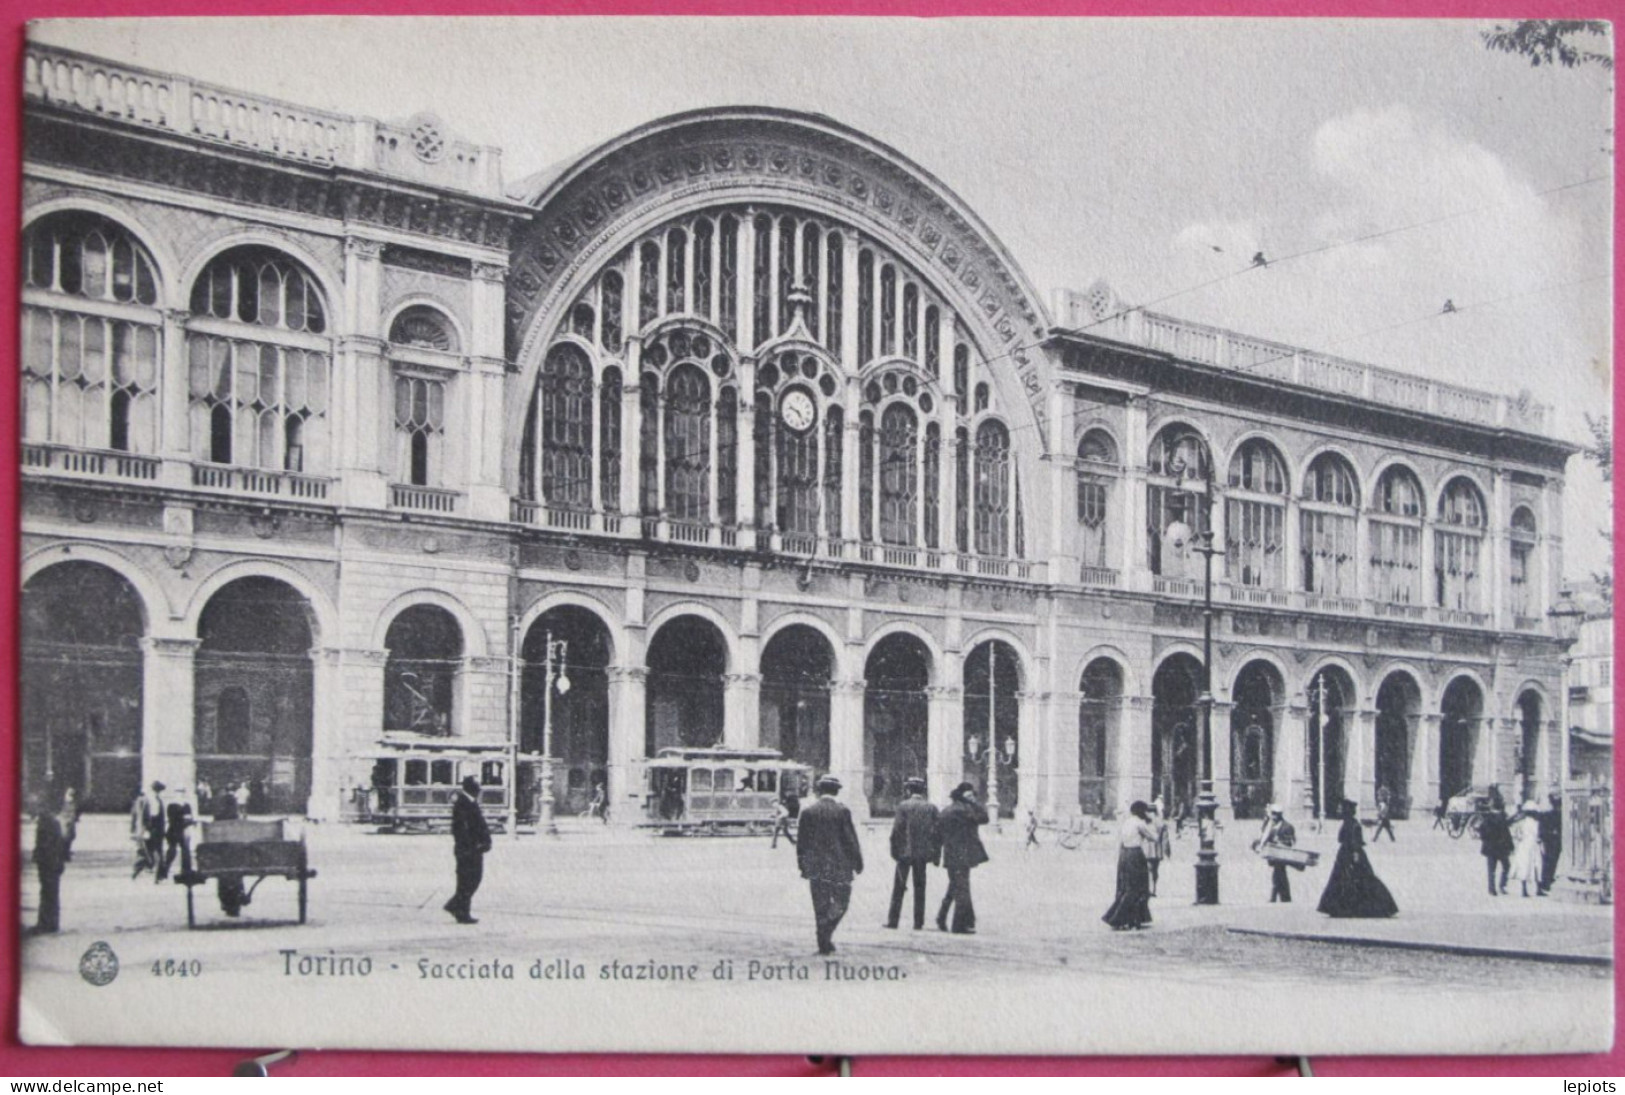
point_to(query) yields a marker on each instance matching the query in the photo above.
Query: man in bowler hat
(829, 855)
(471, 839)
(962, 851)
(914, 843)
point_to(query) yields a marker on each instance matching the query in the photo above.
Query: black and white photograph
(813, 535)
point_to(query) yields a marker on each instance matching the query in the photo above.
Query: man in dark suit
(962, 851)
(471, 839)
(914, 843)
(50, 859)
(829, 855)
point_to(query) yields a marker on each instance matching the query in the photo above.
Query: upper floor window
(899, 474)
(565, 405)
(1456, 547)
(91, 336)
(1399, 494)
(1329, 525)
(261, 286)
(1175, 513)
(258, 397)
(1257, 467)
(994, 489)
(1255, 527)
(420, 429)
(1396, 539)
(1097, 464)
(421, 327)
(1461, 504)
(1521, 576)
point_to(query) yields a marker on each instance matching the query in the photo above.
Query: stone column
(741, 706)
(1425, 760)
(1036, 786)
(1134, 731)
(1221, 754)
(626, 739)
(1134, 565)
(1059, 796)
(485, 686)
(945, 743)
(175, 443)
(1360, 763)
(361, 410)
(1289, 775)
(168, 710)
(846, 743)
(330, 778)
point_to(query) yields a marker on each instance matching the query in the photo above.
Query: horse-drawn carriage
(1462, 813)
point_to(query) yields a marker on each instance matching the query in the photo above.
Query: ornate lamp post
(1207, 806)
(553, 677)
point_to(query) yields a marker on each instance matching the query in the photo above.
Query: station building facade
(329, 437)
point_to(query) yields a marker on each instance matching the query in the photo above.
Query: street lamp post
(556, 651)
(992, 736)
(1207, 806)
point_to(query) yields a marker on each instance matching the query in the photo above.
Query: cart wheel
(302, 882)
(191, 918)
(1476, 825)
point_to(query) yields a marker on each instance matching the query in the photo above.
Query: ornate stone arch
(331, 283)
(475, 641)
(837, 645)
(156, 610)
(675, 166)
(1365, 694)
(1113, 654)
(324, 619)
(905, 627)
(1024, 656)
(574, 598)
(666, 615)
(171, 292)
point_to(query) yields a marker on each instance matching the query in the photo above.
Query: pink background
(16, 1060)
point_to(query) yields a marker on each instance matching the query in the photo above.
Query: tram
(412, 786)
(719, 791)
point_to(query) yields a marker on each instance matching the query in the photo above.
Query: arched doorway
(895, 717)
(1176, 759)
(684, 707)
(1461, 709)
(1256, 696)
(1399, 709)
(422, 672)
(993, 721)
(1331, 704)
(81, 686)
(1529, 712)
(253, 694)
(796, 670)
(580, 711)
(1099, 711)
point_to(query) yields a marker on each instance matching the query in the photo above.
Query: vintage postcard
(817, 535)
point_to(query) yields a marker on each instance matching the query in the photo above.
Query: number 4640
(177, 967)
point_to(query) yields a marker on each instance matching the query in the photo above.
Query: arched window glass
(612, 299)
(812, 251)
(648, 283)
(1329, 524)
(420, 429)
(762, 278)
(763, 447)
(888, 309)
(866, 306)
(961, 374)
(566, 428)
(1396, 539)
(609, 440)
(688, 444)
(261, 286)
(899, 474)
(993, 490)
(866, 475)
(1177, 462)
(676, 271)
(649, 444)
(728, 456)
(702, 267)
(421, 327)
(798, 484)
(584, 320)
(932, 485)
(1097, 467)
(1521, 578)
(962, 490)
(1255, 527)
(911, 321)
(933, 342)
(425, 660)
(834, 277)
(90, 358)
(1457, 547)
(785, 272)
(728, 277)
(834, 436)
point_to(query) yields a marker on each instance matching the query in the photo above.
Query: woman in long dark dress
(1132, 906)
(1354, 890)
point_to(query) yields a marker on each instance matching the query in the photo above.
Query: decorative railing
(91, 463)
(257, 481)
(425, 499)
(1326, 602)
(1256, 595)
(1224, 349)
(1097, 576)
(1176, 587)
(1398, 611)
(222, 115)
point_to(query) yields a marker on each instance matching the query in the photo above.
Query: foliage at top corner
(1553, 42)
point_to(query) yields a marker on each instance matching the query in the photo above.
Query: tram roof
(719, 755)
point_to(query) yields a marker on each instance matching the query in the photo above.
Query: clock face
(798, 411)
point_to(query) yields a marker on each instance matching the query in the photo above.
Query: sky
(1413, 165)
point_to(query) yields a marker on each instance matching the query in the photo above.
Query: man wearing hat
(147, 829)
(1277, 830)
(914, 843)
(962, 851)
(471, 839)
(829, 856)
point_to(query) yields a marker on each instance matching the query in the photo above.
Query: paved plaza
(593, 896)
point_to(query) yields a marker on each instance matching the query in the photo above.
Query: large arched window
(259, 369)
(1255, 517)
(422, 382)
(1457, 543)
(425, 661)
(1329, 524)
(899, 475)
(422, 327)
(91, 336)
(566, 428)
(1521, 577)
(1176, 478)
(1396, 539)
(993, 489)
(1097, 474)
(688, 444)
(796, 460)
